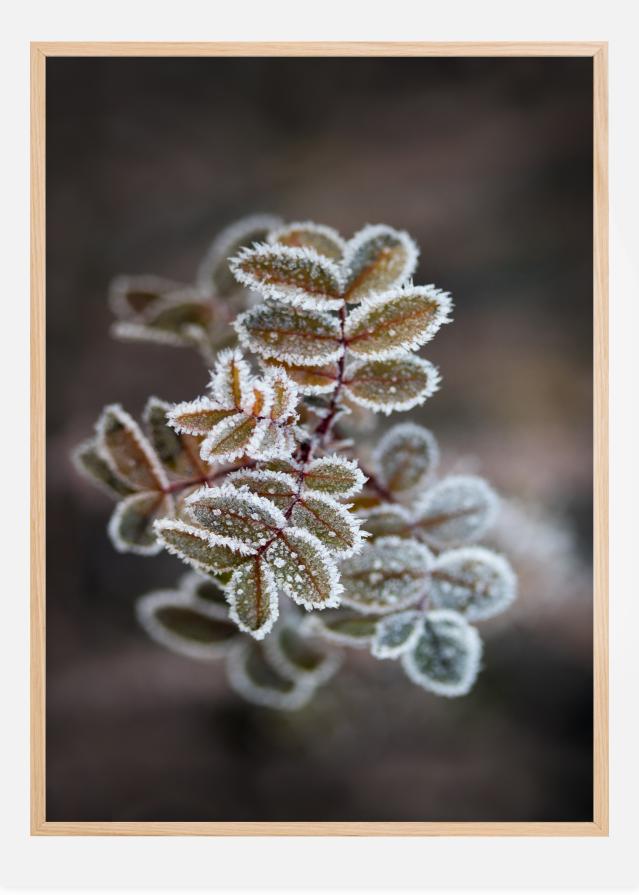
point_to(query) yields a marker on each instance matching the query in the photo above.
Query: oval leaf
(394, 322)
(240, 517)
(406, 457)
(291, 335)
(304, 569)
(300, 276)
(388, 519)
(397, 383)
(324, 240)
(389, 574)
(90, 464)
(201, 632)
(131, 524)
(456, 510)
(200, 548)
(395, 634)
(278, 487)
(125, 450)
(474, 581)
(252, 596)
(334, 475)
(378, 258)
(445, 659)
(330, 522)
(297, 657)
(180, 453)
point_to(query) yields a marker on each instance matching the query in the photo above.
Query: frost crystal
(445, 659)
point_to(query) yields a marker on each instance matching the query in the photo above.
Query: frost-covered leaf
(378, 258)
(197, 417)
(291, 335)
(200, 548)
(334, 475)
(397, 383)
(309, 380)
(278, 487)
(388, 519)
(446, 657)
(242, 517)
(231, 438)
(389, 574)
(130, 296)
(178, 452)
(456, 510)
(391, 323)
(474, 581)
(330, 522)
(406, 457)
(214, 274)
(296, 656)
(300, 276)
(396, 634)
(344, 628)
(304, 569)
(231, 383)
(252, 596)
(324, 240)
(284, 395)
(252, 676)
(131, 524)
(271, 441)
(123, 447)
(89, 463)
(171, 619)
(176, 314)
(201, 587)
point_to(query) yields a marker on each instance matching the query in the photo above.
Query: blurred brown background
(487, 163)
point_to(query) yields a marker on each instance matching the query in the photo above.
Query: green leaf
(456, 510)
(446, 657)
(278, 487)
(246, 519)
(131, 525)
(388, 519)
(378, 258)
(197, 417)
(324, 240)
(344, 628)
(214, 274)
(131, 296)
(330, 522)
(252, 596)
(406, 457)
(201, 549)
(304, 569)
(300, 276)
(125, 450)
(296, 656)
(178, 452)
(199, 632)
(389, 574)
(334, 475)
(252, 676)
(473, 581)
(229, 439)
(292, 335)
(90, 464)
(395, 634)
(397, 383)
(394, 322)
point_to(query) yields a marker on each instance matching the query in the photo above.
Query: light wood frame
(598, 51)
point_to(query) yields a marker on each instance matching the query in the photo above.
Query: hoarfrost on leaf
(389, 574)
(396, 634)
(334, 475)
(185, 626)
(446, 657)
(324, 240)
(473, 581)
(293, 335)
(406, 457)
(385, 386)
(304, 569)
(376, 259)
(252, 596)
(458, 509)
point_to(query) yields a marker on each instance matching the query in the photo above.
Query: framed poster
(353, 576)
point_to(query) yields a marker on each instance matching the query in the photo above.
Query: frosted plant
(295, 549)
